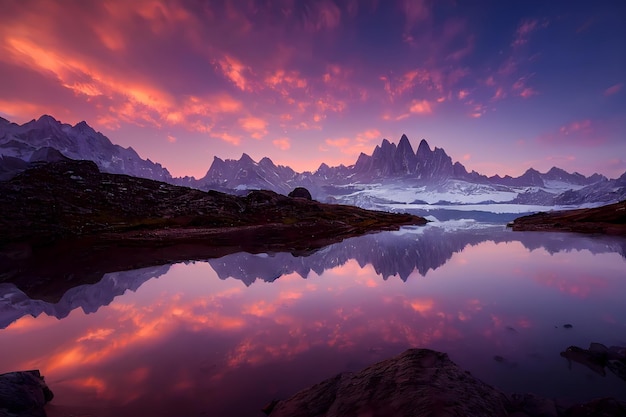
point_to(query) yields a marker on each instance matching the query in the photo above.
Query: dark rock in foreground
(72, 199)
(609, 219)
(23, 394)
(419, 383)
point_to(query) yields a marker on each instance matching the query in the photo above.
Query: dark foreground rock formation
(70, 199)
(23, 394)
(609, 219)
(419, 383)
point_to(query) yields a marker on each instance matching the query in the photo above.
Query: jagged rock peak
(267, 162)
(246, 158)
(46, 118)
(423, 147)
(405, 143)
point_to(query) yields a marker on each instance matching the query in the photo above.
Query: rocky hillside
(609, 219)
(70, 199)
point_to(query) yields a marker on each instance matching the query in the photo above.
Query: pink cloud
(525, 29)
(337, 143)
(478, 111)
(282, 143)
(420, 107)
(329, 103)
(368, 135)
(522, 89)
(499, 94)
(361, 142)
(171, 139)
(579, 132)
(227, 137)
(528, 92)
(577, 126)
(614, 89)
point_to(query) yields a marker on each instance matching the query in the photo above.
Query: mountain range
(394, 177)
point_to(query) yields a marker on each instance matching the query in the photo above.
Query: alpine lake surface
(225, 336)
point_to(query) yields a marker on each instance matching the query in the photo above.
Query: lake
(225, 336)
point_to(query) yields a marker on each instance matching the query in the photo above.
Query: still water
(225, 336)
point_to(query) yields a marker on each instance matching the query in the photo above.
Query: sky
(502, 86)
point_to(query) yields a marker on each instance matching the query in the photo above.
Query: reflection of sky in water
(189, 342)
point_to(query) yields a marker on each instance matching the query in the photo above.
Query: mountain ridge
(426, 171)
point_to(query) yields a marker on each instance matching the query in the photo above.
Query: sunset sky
(500, 85)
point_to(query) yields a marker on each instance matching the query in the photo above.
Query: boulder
(23, 394)
(301, 192)
(419, 382)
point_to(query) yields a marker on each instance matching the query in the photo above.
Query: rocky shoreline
(73, 199)
(23, 394)
(609, 219)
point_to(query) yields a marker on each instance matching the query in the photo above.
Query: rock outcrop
(420, 383)
(70, 199)
(609, 219)
(23, 394)
(300, 192)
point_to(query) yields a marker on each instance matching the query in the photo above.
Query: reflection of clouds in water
(190, 328)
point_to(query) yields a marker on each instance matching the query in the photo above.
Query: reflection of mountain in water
(401, 253)
(15, 304)
(390, 253)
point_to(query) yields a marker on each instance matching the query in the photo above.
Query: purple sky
(501, 86)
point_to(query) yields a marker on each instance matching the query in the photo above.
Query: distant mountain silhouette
(35, 141)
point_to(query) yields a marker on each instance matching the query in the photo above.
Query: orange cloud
(282, 81)
(234, 70)
(132, 101)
